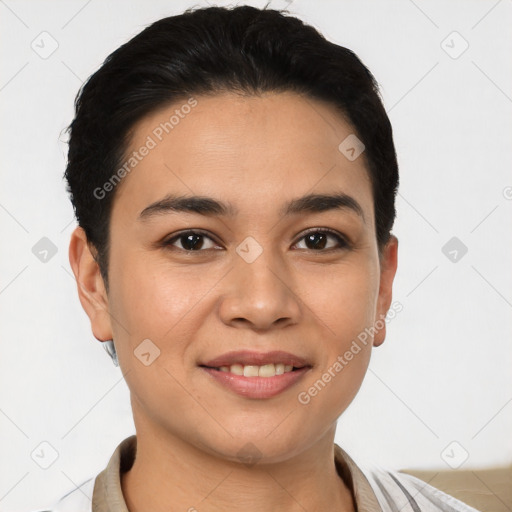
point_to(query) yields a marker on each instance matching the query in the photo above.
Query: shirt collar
(108, 494)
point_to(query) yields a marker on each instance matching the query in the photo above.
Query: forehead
(252, 151)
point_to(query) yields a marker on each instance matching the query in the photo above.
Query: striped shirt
(374, 490)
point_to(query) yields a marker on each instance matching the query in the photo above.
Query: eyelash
(343, 242)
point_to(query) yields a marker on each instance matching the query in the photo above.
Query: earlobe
(389, 263)
(91, 288)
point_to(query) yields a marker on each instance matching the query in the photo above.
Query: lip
(249, 357)
(257, 387)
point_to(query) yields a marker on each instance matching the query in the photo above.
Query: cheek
(151, 300)
(344, 299)
(155, 302)
(344, 303)
(150, 295)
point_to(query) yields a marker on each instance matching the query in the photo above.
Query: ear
(388, 266)
(91, 288)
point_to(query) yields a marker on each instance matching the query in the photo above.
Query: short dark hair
(207, 51)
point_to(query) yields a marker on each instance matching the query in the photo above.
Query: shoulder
(399, 491)
(76, 500)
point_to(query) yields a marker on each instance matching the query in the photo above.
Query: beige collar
(108, 494)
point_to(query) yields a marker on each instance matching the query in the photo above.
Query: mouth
(251, 370)
(257, 364)
(256, 375)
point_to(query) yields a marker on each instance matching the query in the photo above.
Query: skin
(256, 153)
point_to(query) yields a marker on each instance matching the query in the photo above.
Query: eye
(190, 241)
(317, 239)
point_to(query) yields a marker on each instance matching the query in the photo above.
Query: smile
(267, 370)
(256, 375)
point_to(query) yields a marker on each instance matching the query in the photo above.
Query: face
(264, 277)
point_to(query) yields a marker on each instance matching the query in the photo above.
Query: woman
(234, 175)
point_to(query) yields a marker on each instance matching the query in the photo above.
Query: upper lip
(249, 357)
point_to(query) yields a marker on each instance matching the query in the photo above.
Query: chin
(255, 446)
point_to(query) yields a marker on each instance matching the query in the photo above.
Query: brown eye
(190, 241)
(318, 240)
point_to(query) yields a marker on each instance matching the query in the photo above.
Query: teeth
(250, 371)
(237, 369)
(266, 370)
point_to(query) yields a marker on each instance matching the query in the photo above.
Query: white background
(444, 372)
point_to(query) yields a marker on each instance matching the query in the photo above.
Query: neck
(169, 474)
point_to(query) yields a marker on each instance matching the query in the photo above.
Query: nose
(260, 295)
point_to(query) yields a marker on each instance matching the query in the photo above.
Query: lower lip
(257, 387)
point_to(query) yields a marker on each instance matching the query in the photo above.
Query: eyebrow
(207, 206)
